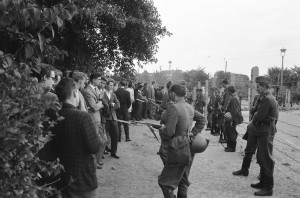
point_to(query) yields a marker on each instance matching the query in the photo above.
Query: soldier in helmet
(177, 122)
(232, 119)
(264, 120)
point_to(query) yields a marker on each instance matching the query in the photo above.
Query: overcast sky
(246, 33)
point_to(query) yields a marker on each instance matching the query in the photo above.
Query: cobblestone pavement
(135, 173)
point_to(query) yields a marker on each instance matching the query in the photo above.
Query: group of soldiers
(224, 113)
(217, 107)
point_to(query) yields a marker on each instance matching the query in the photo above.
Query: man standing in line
(224, 103)
(75, 141)
(79, 79)
(177, 122)
(122, 113)
(130, 88)
(145, 105)
(92, 97)
(200, 101)
(111, 120)
(234, 110)
(151, 99)
(265, 120)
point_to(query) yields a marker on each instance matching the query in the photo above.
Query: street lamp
(281, 76)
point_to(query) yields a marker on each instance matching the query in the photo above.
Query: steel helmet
(199, 144)
(228, 117)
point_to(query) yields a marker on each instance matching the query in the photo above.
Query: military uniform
(200, 103)
(178, 119)
(210, 109)
(264, 121)
(251, 145)
(233, 106)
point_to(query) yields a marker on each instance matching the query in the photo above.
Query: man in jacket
(177, 122)
(75, 141)
(111, 119)
(233, 107)
(264, 121)
(122, 113)
(93, 99)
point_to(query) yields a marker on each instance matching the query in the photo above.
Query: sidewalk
(135, 173)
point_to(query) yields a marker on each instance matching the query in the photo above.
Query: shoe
(108, 149)
(99, 166)
(105, 152)
(100, 163)
(207, 129)
(241, 173)
(259, 185)
(115, 156)
(229, 150)
(264, 192)
(128, 140)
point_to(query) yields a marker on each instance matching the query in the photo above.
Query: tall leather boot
(261, 183)
(244, 171)
(268, 187)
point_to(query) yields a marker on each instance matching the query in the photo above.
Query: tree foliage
(26, 32)
(115, 34)
(193, 76)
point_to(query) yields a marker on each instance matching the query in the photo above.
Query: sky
(245, 33)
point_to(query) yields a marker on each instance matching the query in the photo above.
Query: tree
(289, 76)
(110, 34)
(26, 32)
(193, 76)
(220, 75)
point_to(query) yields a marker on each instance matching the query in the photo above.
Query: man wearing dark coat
(75, 141)
(233, 107)
(177, 122)
(265, 120)
(122, 113)
(111, 119)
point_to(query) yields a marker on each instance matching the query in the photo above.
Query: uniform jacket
(225, 99)
(165, 100)
(93, 101)
(112, 110)
(74, 141)
(266, 115)
(178, 120)
(234, 107)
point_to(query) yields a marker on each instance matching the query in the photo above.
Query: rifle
(149, 125)
(157, 105)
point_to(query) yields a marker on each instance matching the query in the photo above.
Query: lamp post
(281, 74)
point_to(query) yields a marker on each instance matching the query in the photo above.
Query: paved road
(135, 174)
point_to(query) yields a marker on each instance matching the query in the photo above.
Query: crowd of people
(95, 107)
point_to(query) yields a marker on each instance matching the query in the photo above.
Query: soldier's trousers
(264, 154)
(251, 145)
(230, 132)
(172, 177)
(209, 120)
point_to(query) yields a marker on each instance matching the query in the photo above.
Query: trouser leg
(126, 126)
(114, 134)
(265, 154)
(103, 137)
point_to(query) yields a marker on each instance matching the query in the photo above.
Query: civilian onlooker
(111, 120)
(122, 113)
(130, 88)
(93, 100)
(145, 105)
(79, 79)
(75, 141)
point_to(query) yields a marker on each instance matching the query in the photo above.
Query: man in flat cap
(233, 108)
(264, 120)
(224, 104)
(177, 121)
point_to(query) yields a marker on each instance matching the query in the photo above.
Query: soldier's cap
(231, 89)
(263, 80)
(180, 83)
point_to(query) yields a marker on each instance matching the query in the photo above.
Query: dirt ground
(135, 173)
